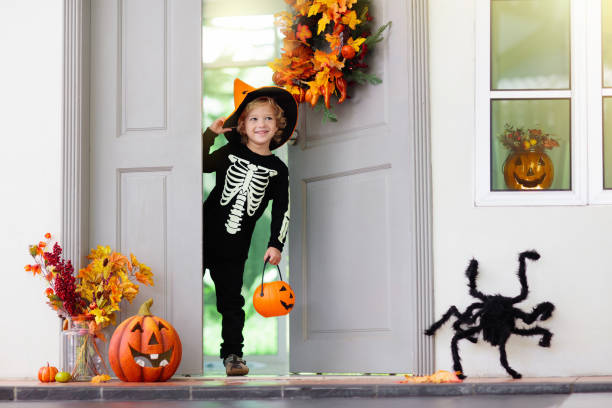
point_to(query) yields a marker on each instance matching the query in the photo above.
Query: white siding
(574, 271)
(30, 164)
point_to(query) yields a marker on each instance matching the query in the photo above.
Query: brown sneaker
(235, 365)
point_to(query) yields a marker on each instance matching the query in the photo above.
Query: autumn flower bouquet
(88, 300)
(324, 50)
(517, 139)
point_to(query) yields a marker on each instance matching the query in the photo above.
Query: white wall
(575, 270)
(30, 119)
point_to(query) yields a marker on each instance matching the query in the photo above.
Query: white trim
(597, 194)
(483, 195)
(422, 252)
(75, 132)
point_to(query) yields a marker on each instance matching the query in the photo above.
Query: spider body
(497, 319)
(495, 316)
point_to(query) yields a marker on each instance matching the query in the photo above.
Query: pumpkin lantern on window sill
(527, 166)
(274, 298)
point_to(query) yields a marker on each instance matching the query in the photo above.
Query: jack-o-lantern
(274, 298)
(145, 348)
(528, 170)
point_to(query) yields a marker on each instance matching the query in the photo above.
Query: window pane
(241, 38)
(530, 44)
(606, 38)
(607, 141)
(530, 144)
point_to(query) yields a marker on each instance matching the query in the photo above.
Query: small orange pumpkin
(528, 170)
(274, 298)
(145, 348)
(47, 373)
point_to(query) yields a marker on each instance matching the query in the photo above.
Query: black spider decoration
(495, 316)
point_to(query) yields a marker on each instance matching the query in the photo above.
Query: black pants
(227, 276)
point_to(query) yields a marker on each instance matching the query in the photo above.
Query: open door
(146, 167)
(354, 239)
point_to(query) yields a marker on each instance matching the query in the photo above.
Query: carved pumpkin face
(276, 299)
(145, 348)
(528, 171)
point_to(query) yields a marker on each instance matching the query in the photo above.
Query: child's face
(260, 125)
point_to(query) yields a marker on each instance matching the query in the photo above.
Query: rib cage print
(247, 182)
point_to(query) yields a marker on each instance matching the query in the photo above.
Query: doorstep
(292, 387)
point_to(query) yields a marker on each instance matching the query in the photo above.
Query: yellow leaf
(100, 378)
(100, 318)
(314, 9)
(356, 43)
(351, 19)
(323, 21)
(349, 3)
(100, 253)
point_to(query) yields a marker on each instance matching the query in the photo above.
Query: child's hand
(217, 126)
(273, 256)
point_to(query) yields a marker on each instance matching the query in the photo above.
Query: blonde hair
(279, 115)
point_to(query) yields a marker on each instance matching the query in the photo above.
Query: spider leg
(534, 331)
(452, 311)
(534, 256)
(543, 311)
(468, 318)
(503, 358)
(472, 272)
(467, 334)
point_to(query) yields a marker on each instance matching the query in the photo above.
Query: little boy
(248, 175)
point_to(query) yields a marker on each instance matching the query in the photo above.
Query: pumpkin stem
(145, 308)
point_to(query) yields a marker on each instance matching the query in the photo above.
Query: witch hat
(244, 93)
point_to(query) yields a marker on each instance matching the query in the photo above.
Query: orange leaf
(440, 376)
(35, 269)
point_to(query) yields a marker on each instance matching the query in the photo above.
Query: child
(248, 176)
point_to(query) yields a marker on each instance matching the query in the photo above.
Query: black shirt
(245, 183)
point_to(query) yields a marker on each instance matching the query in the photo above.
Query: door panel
(146, 176)
(352, 200)
(338, 201)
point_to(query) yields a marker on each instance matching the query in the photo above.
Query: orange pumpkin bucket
(275, 298)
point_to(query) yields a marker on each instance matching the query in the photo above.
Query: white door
(146, 171)
(352, 229)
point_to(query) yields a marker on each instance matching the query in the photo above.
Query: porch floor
(293, 387)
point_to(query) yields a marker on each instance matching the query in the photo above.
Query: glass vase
(83, 352)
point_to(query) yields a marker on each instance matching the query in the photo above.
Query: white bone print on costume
(285, 227)
(247, 182)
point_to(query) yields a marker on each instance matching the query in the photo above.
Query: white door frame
(75, 132)
(75, 154)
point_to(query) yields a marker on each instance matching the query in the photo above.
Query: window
(533, 102)
(599, 49)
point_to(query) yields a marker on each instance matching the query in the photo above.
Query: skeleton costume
(245, 183)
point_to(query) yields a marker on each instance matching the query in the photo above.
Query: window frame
(597, 193)
(484, 196)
